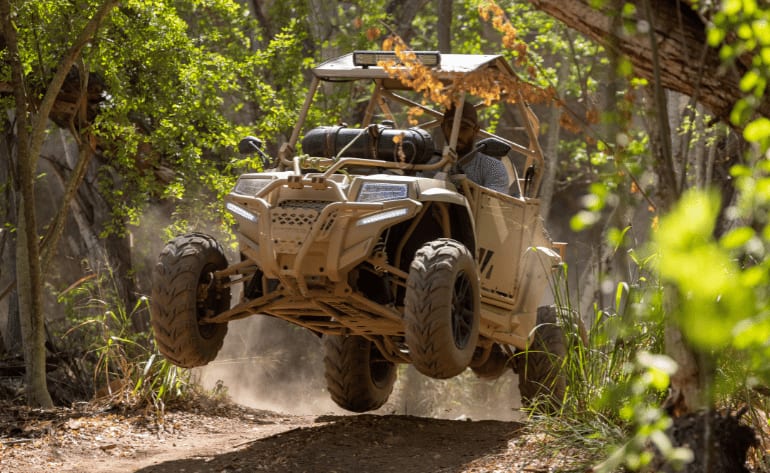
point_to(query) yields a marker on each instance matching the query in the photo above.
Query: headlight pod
(241, 212)
(250, 186)
(382, 191)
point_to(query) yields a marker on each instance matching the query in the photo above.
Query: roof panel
(342, 68)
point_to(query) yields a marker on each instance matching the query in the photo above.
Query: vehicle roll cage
(451, 69)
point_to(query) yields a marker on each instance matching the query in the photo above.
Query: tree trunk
(687, 64)
(30, 304)
(686, 393)
(56, 229)
(8, 292)
(13, 325)
(28, 264)
(686, 383)
(404, 12)
(444, 26)
(28, 273)
(264, 23)
(552, 147)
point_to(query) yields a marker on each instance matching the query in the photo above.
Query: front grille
(292, 221)
(293, 217)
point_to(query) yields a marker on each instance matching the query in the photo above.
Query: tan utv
(375, 241)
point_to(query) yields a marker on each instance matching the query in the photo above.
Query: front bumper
(306, 232)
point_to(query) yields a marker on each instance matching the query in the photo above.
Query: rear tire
(358, 377)
(441, 314)
(542, 381)
(183, 293)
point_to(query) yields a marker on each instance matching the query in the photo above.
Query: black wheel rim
(462, 311)
(379, 367)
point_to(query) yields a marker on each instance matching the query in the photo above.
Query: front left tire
(184, 292)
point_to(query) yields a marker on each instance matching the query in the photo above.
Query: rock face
(82, 250)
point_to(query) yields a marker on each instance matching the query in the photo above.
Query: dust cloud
(269, 364)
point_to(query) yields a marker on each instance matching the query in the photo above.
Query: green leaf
(616, 236)
(740, 170)
(761, 30)
(745, 32)
(620, 291)
(737, 237)
(625, 67)
(715, 36)
(758, 130)
(732, 7)
(740, 112)
(583, 220)
(749, 80)
(764, 54)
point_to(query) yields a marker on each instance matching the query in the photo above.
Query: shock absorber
(379, 253)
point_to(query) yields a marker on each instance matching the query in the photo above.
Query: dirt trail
(357, 443)
(420, 430)
(237, 439)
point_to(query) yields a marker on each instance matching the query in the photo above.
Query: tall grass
(602, 368)
(113, 361)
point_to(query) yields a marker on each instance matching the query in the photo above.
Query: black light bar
(371, 58)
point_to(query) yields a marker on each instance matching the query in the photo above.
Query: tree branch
(55, 231)
(665, 157)
(678, 31)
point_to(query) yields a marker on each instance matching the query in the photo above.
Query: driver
(480, 168)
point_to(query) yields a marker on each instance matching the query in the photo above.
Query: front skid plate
(322, 312)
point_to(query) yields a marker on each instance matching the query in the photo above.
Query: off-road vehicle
(374, 240)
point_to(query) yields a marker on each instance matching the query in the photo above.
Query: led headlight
(241, 212)
(379, 217)
(249, 186)
(382, 191)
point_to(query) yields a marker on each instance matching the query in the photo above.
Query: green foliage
(713, 294)
(747, 25)
(168, 81)
(183, 82)
(650, 374)
(721, 306)
(722, 284)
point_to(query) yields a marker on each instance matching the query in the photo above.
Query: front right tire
(441, 315)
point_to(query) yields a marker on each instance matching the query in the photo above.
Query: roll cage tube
(288, 148)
